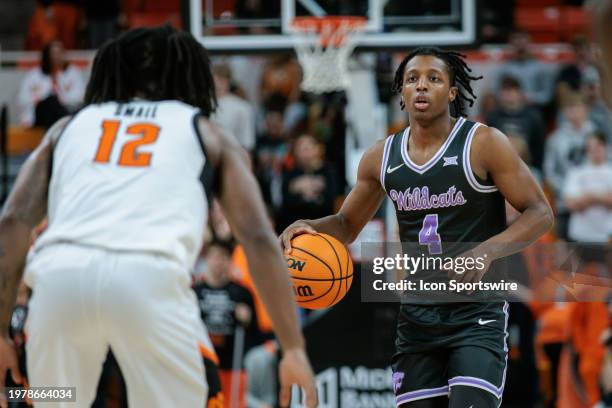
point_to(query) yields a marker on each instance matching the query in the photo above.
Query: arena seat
(574, 20)
(153, 19)
(538, 3)
(543, 23)
(172, 6)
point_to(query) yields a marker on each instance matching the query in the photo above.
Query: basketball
(321, 270)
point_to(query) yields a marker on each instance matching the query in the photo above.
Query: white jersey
(129, 177)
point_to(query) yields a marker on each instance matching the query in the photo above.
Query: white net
(323, 48)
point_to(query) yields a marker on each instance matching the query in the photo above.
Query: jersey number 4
(428, 235)
(130, 157)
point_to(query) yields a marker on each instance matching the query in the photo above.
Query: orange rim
(317, 23)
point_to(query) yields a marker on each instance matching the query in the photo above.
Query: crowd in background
(555, 118)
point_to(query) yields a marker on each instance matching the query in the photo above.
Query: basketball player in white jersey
(125, 184)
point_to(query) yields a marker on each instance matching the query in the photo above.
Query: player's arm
(25, 207)
(242, 205)
(492, 153)
(601, 12)
(359, 207)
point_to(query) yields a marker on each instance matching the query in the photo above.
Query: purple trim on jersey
(421, 394)
(476, 382)
(431, 162)
(397, 379)
(507, 316)
(479, 382)
(467, 166)
(385, 158)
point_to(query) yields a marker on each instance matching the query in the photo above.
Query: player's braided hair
(158, 63)
(459, 73)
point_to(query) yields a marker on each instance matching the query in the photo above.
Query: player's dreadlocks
(459, 76)
(156, 64)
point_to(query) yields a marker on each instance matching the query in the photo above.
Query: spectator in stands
(51, 91)
(514, 117)
(41, 28)
(233, 114)
(282, 74)
(606, 371)
(271, 148)
(581, 361)
(599, 113)
(571, 75)
(534, 76)
(227, 309)
(311, 187)
(588, 194)
(54, 20)
(497, 20)
(565, 149)
(104, 18)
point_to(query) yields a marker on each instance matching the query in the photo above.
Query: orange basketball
(321, 270)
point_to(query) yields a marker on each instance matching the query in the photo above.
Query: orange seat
(538, 3)
(172, 6)
(574, 20)
(543, 23)
(23, 140)
(153, 19)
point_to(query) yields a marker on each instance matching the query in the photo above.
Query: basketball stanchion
(323, 46)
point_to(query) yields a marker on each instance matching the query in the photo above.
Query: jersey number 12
(428, 235)
(129, 157)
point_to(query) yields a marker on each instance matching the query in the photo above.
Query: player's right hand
(295, 369)
(8, 361)
(297, 228)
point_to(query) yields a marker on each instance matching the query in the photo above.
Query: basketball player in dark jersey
(446, 351)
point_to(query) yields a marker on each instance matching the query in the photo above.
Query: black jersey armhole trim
(209, 175)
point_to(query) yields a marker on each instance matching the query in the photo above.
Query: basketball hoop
(323, 45)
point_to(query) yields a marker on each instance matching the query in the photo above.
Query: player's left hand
(477, 269)
(295, 368)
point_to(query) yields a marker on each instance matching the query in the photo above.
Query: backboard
(249, 26)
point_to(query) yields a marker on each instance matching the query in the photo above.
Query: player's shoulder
(372, 158)
(488, 135)
(54, 133)
(375, 152)
(216, 141)
(491, 146)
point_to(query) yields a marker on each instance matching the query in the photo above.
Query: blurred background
(541, 86)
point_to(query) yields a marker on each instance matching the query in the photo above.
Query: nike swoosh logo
(391, 170)
(483, 322)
